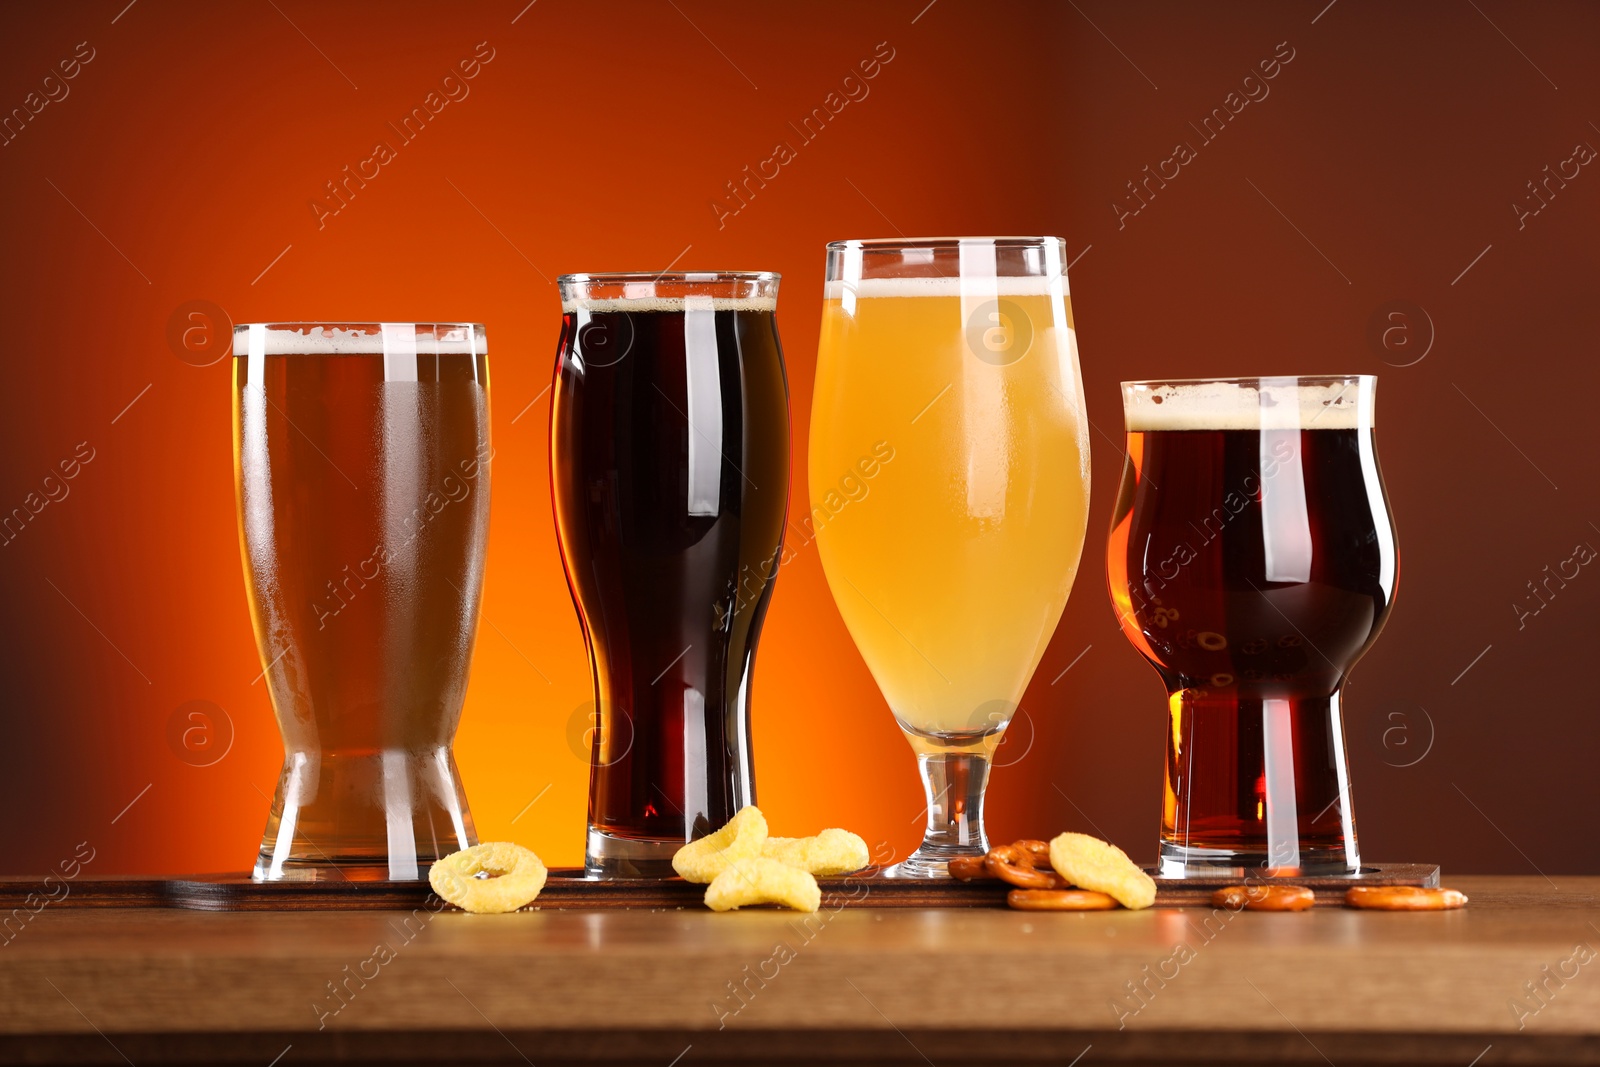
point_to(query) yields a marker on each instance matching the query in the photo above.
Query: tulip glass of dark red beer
(669, 462)
(1252, 561)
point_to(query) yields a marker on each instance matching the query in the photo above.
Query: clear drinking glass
(949, 471)
(362, 471)
(1252, 561)
(669, 472)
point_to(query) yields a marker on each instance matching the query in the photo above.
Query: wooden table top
(1514, 977)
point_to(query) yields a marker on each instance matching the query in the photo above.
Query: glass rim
(895, 244)
(317, 339)
(1262, 403)
(347, 323)
(671, 277)
(1252, 379)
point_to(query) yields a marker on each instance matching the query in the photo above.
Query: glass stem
(955, 783)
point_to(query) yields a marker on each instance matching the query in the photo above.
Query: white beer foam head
(966, 286)
(669, 303)
(314, 340)
(1250, 404)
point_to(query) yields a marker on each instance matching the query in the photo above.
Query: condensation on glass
(362, 472)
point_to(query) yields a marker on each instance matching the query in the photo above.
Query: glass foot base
(609, 856)
(922, 867)
(1180, 861)
(366, 816)
(927, 863)
(334, 869)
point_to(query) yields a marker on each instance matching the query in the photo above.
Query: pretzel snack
(1264, 898)
(1404, 898)
(971, 869)
(1012, 864)
(1059, 900)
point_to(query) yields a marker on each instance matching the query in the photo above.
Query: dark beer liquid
(669, 473)
(364, 509)
(1253, 568)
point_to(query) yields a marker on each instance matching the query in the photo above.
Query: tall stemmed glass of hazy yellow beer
(949, 476)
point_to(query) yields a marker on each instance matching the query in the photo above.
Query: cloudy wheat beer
(955, 359)
(1252, 561)
(363, 486)
(971, 541)
(669, 472)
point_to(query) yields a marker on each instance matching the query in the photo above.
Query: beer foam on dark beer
(1232, 406)
(333, 341)
(679, 304)
(968, 287)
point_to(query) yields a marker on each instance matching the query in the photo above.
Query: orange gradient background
(182, 165)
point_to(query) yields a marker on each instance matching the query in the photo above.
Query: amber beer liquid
(1252, 561)
(670, 476)
(362, 470)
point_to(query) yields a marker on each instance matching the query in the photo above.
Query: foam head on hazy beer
(967, 287)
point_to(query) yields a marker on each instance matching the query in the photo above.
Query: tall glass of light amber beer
(669, 474)
(949, 471)
(362, 470)
(1252, 561)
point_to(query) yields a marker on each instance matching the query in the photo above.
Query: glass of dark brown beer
(1252, 561)
(669, 469)
(362, 472)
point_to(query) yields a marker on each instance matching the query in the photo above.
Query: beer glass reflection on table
(669, 473)
(949, 478)
(1252, 561)
(362, 472)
